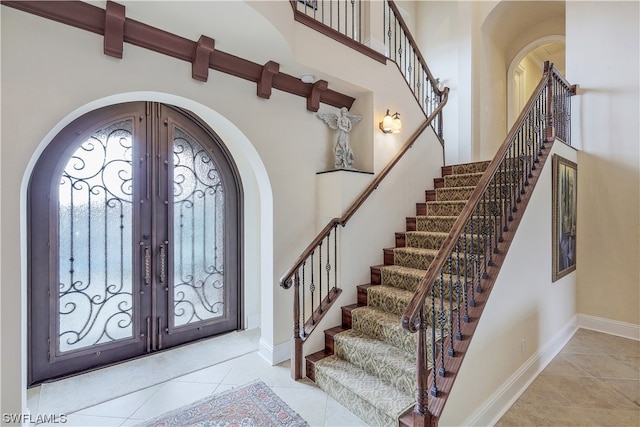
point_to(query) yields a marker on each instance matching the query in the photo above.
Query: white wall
(603, 59)
(446, 39)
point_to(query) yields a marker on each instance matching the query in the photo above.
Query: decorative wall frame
(564, 216)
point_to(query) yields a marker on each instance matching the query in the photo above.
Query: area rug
(254, 404)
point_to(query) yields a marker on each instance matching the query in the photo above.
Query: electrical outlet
(523, 346)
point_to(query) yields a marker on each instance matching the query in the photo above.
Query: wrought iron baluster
(450, 317)
(320, 277)
(335, 258)
(312, 288)
(434, 388)
(486, 208)
(473, 256)
(441, 323)
(304, 300)
(467, 267)
(458, 290)
(328, 268)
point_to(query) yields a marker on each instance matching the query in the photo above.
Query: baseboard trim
(608, 326)
(495, 407)
(275, 354)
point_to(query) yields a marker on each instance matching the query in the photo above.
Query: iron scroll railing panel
(402, 48)
(343, 16)
(457, 278)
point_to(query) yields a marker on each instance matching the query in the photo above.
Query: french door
(133, 239)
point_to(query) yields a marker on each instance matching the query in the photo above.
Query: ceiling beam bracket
(313, 99)
(266, 79)
(114, 29)
(200, 62)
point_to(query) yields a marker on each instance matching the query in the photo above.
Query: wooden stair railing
(305, 266)
(493, 211)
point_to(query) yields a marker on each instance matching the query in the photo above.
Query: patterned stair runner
(372, 368)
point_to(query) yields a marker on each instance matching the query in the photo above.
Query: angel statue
(343, 123)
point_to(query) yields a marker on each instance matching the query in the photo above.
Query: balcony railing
(345, 21)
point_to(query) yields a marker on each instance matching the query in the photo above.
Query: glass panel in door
(95, 261)
(198, 234)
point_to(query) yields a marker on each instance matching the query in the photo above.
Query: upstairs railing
(402, 48)
(344, 20)
(450, 298)
(314, 275)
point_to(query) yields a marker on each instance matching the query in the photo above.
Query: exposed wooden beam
(94, 19)
(114, 29)
(266, 79)
(201, 58)
(313, 100)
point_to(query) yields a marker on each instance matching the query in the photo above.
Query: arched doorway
(135, 239)
(526, 69)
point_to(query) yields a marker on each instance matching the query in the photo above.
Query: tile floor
(593, 381)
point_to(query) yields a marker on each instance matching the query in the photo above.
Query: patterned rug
(254, 404)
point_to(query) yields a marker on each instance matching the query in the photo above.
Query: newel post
(549, 125)
(296, 362)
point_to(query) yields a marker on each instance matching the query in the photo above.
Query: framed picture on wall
(565, 206)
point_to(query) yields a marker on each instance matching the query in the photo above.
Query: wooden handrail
(285, 281)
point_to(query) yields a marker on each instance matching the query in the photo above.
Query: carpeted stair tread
(463, 180)
(367, 396)
(414, 257)
(464, 168)
(407, 279)
(446, 208)
(392, 365)
(402, 277)
(454, 193)
(393, 300)
(388, 298)
(425, 239)
(437, 223)
(383, 326)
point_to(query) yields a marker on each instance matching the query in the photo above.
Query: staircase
(369, 362)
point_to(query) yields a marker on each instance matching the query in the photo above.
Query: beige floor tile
(543, 392)
(562, 366)
(630, 389)
(605, 366)
(545, 416)
(613, 417)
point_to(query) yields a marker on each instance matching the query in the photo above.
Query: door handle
(147, 265)
(163, 263)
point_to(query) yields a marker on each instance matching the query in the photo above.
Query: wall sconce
(391, 123)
